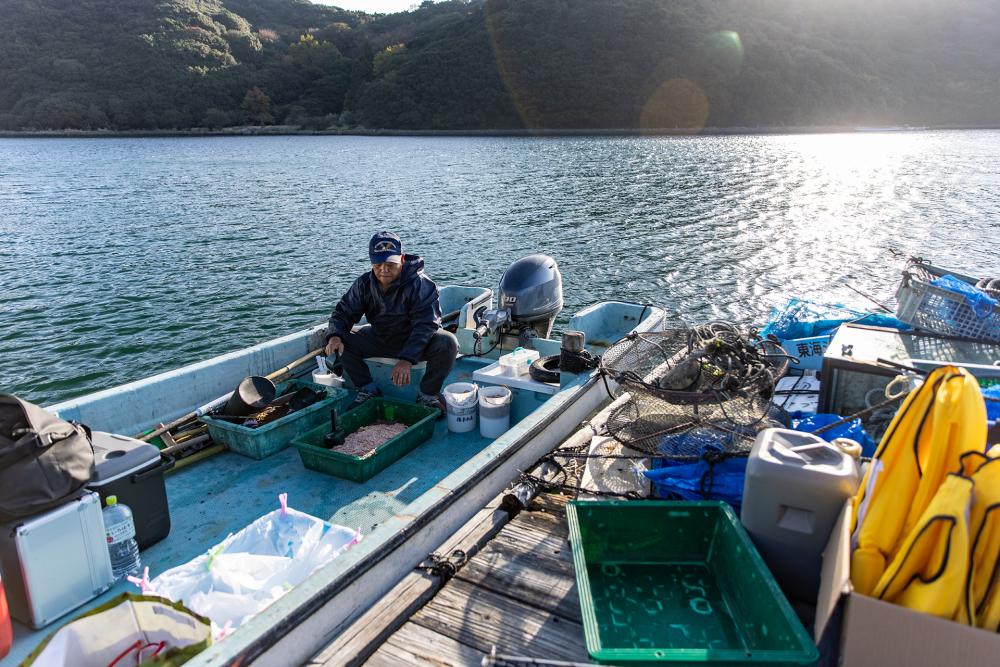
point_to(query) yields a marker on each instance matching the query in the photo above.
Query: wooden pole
(185, 445)
(298, 362)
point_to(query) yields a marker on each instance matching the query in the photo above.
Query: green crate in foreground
(678, 582)
(419, 421)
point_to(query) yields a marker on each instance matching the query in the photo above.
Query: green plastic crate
(420, 426)
(678, 582)
(259, 443)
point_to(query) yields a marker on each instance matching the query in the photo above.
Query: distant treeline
(498, 64)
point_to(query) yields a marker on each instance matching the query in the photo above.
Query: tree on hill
(257, 107)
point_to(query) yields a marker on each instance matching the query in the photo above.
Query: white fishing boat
(403, 512)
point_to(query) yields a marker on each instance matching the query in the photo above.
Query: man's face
(386, 272)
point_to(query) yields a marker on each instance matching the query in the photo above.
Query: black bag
(44, 460)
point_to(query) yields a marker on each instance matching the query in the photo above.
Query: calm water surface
(120, 258)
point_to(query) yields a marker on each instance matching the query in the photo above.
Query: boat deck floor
(517, 594)
(222, 494)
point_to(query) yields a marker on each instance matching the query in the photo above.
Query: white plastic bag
(250, 569)
(125, 631)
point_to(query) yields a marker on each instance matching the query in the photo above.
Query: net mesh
(694, 390)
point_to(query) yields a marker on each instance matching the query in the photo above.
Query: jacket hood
(412, 266)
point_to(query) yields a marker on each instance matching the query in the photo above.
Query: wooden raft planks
(482, 619)
(376, 625)
(518, 594)
(414, 645)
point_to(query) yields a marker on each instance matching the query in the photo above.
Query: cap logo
(384, 246)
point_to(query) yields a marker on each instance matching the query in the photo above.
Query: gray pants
(362, 344)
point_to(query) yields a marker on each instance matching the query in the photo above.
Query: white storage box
(515, 364)
(54, 562)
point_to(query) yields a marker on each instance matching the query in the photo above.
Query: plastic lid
(110, 500)
(117, 455)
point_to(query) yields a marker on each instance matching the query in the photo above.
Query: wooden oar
(194, 414)
(295, 364)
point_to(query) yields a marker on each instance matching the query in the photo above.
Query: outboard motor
(530, 300)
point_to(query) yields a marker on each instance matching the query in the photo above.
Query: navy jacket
(404, 317)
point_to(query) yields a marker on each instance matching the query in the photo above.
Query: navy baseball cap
(385, 247)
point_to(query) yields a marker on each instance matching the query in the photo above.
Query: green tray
(678, 582)
(259, 443)
(420, 426)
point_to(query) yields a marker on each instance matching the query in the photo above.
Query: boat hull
(419, 507)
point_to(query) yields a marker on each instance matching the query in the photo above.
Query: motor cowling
(531, 289)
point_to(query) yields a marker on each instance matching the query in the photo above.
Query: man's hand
(401, 373)
(334, 345)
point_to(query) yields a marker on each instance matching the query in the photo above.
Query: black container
(133, 471)
(253, 394)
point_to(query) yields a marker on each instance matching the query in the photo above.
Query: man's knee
(442, 343)
(357, 342)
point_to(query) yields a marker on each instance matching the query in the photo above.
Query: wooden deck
(517, 593)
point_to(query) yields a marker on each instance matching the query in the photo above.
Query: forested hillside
(498, 64)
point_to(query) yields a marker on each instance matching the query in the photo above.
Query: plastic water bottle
(119, 530)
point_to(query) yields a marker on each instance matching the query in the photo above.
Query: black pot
(253, 394)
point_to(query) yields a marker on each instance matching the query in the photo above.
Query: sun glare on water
(837, 199)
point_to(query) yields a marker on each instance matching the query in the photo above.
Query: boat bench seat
(390, 361)
(381, 369)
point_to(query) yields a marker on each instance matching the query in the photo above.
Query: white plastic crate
(926, 306)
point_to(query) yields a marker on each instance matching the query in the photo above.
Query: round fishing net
(693, 391)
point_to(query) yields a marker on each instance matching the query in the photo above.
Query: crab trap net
(695, 393)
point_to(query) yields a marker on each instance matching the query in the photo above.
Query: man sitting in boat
(404, 315)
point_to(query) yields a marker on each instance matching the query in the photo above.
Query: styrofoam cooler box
(133, 471)
(798, 393)
(54, 562)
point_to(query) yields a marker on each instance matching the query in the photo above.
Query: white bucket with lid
(327, 379)
(461, 398)
(494, 411)
(324, 376)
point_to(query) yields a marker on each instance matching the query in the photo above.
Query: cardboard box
(881, 634)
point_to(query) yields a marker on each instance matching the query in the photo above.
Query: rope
(445, 567)
(577, 362)
(713, 458)
(547, 485)
(859, 414)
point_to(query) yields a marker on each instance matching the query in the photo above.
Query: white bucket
(327, 379)
(494, 411)
(461, 398)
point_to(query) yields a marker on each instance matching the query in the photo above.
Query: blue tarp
(852, 429)
(724, 482)
(992, 396)
(687, 479)
(805, 319)
(981, 302)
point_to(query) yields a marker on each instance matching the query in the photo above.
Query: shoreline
(287, 130)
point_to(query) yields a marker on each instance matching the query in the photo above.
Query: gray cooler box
(54, 562)
(133, 471)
